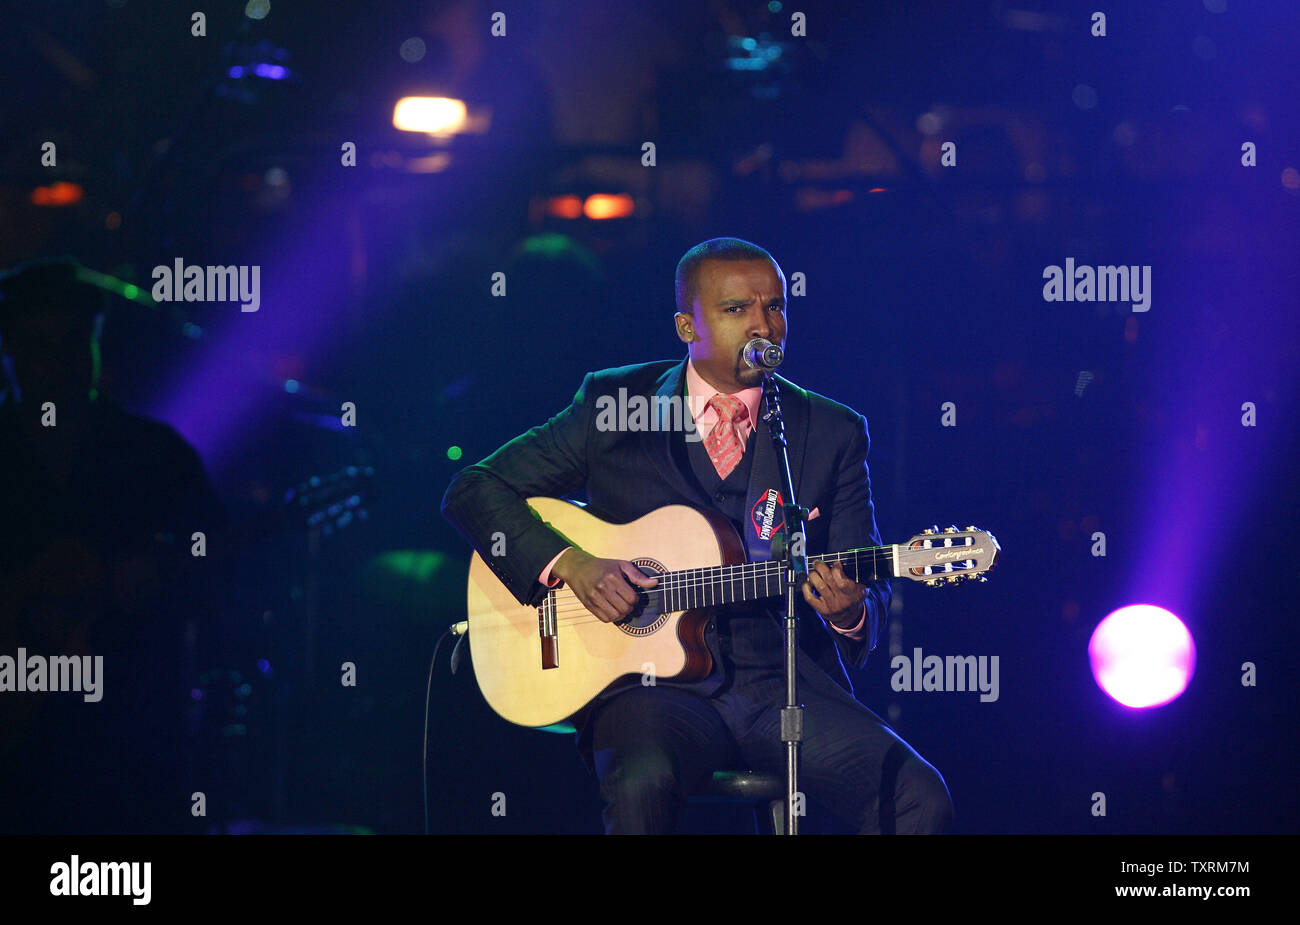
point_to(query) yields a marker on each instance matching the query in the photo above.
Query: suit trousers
(652, 746)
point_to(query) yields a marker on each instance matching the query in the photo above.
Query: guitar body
(538, 666)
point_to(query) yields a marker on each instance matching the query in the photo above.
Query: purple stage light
(218, 401)
(1142, 656)
(263, 69)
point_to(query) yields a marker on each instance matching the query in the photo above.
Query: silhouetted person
(97, 510)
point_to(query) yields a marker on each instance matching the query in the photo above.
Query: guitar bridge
(546, 631)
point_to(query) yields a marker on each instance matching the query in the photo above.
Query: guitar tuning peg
(950, 529)
(971, 529)
(933, 528)
(983, 578)
(934, 582)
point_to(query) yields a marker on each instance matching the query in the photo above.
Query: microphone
(762, 354)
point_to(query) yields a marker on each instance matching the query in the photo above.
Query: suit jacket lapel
(669, 393)
(794, 408)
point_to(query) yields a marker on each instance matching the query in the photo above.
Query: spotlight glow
(564, 206)
(432, 114)
(608, 205)
(58, 193)
(1142, 656)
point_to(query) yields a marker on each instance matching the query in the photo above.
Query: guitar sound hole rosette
(647, 618)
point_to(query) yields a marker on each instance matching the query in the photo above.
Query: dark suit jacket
(624, 475)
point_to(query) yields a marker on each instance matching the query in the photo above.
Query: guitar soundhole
(648, 615)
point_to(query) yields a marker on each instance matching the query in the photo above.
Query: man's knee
(637, 776)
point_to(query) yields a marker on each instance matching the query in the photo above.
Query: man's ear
(685, 327)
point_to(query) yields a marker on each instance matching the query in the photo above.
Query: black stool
(764, 792)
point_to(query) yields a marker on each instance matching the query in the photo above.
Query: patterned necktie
(723, 442)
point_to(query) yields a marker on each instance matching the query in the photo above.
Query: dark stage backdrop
(918, 169)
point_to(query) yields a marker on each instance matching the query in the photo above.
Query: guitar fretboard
(719, 585)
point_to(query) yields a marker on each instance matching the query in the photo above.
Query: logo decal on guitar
(764, 512)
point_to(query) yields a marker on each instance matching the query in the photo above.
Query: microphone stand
(796, 571)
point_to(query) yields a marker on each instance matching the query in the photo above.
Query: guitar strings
(682, 579)
(574, 612)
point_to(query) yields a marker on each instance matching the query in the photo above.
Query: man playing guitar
(651, 744)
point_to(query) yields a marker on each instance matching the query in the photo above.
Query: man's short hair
(714, 249)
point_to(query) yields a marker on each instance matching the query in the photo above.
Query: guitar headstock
(936, 556)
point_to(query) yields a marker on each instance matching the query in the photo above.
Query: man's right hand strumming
(602, 585)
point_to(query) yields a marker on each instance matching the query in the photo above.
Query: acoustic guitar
(538, 666)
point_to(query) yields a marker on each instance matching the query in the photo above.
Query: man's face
(735, 301)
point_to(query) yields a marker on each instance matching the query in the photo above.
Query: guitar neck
(752, 581)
